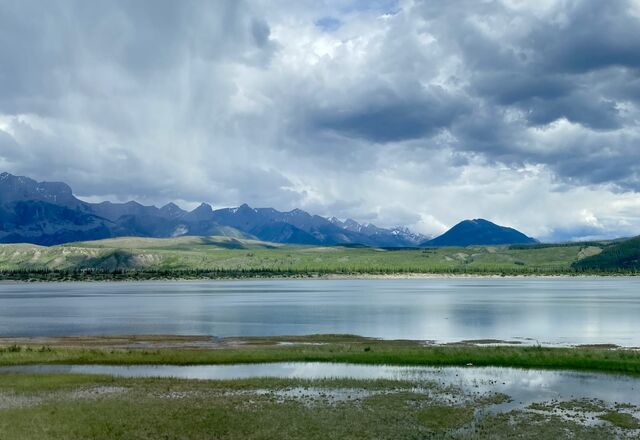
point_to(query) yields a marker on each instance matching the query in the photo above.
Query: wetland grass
(331, 348)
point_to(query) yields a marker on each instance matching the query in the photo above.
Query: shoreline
(328, 277)
(202, 350)
(159, 341)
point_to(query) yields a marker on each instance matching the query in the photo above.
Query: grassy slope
(235, 257)
(624, 255)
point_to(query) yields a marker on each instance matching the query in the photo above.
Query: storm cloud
(395, 112)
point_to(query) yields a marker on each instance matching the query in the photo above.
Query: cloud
(590, 36)
(382, 116)
(420, 112)
(328, 24)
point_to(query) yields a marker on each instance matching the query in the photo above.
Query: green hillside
(194, 257)
(621, 256)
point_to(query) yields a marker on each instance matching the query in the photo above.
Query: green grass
(65, 406)
(622, 420)
(224, 257)
(180, 409)
(349, 349)
(69, 406)
(443, 417)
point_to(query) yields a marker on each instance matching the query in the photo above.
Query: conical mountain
(479, 232)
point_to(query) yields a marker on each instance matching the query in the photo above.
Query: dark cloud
(589, 36)
(579, 233)
(512, 88)
(52, 49)
(580, 108)
(385, 117)
(576, 61)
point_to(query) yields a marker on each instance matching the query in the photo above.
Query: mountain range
(48, 213)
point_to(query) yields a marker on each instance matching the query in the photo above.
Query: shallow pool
(523, 386)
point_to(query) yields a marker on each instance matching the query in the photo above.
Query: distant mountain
(407, 235)
(298, 226)
(18, 189)
(479, 232)
(45, 223)
(397, 236)
(48, 213)
(45, 213)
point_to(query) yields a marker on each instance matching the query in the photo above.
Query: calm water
(547, 310)
(523, 386)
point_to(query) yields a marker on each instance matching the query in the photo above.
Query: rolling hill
(220, 257)
(620, 255)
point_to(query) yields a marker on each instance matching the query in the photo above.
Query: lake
(554, 311)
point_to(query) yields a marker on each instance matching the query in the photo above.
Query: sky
(411, 112)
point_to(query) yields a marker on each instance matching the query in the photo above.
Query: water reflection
(524, 386)
(549, 310)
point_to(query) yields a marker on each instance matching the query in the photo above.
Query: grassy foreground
(69, 406)
(322, 348)
(63, 406)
